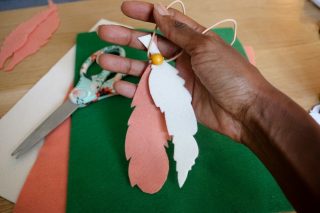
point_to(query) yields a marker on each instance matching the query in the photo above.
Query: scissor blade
(56, 118)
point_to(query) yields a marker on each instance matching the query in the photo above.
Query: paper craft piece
(97, 177)
(25, 115)
(174, 100)
(146, 140)
(315, 113)
(42, 173)
(21, 120)
(49, 173)
(39, 37)
(19, 36)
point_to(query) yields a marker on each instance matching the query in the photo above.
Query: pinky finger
(125, 88)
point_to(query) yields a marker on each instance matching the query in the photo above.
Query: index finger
(143, 11)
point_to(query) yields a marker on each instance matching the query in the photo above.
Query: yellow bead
(157, 59)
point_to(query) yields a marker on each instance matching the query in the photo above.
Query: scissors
(89, 89)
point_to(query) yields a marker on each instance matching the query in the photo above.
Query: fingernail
(98, 58)
(161, 9)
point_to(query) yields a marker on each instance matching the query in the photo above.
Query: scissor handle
(96, 87)
(90, 60)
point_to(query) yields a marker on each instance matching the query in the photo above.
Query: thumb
(177, 32)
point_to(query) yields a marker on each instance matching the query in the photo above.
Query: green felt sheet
(227, 177)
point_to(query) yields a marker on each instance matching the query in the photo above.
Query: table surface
(284, 35)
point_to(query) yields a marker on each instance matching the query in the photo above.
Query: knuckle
(206, 41)
(128, 66)
(203, 44)
(198, 28)
(213, 35)
(129, 40)
(179, 25)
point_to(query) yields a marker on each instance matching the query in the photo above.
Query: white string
(235, 27)
(180, 3)
(234, 22)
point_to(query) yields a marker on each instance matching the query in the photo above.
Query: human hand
(222, 82)
(229, 96)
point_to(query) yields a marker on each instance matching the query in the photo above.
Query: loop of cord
(234, 22)
(235, 27)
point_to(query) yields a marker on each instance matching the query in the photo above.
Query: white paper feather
(174, 100)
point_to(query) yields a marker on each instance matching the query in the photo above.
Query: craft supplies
(227, 176)
(173, 100)
(89, 89)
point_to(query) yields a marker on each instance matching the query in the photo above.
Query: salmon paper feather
(29, 36)
(146, 140)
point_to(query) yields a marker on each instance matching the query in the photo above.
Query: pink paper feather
(37, 38)
(146, 140)
(19, 36)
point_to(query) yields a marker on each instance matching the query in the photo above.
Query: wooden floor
(283, 33)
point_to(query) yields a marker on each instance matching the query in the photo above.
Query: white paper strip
(174, 100)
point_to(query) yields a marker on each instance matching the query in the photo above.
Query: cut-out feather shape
(146, 140)
(174, 100)
(29, 36)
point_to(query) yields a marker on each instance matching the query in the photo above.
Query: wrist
(264, 111)
(287, 140)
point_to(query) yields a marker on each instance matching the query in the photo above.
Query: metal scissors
(89, 89)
